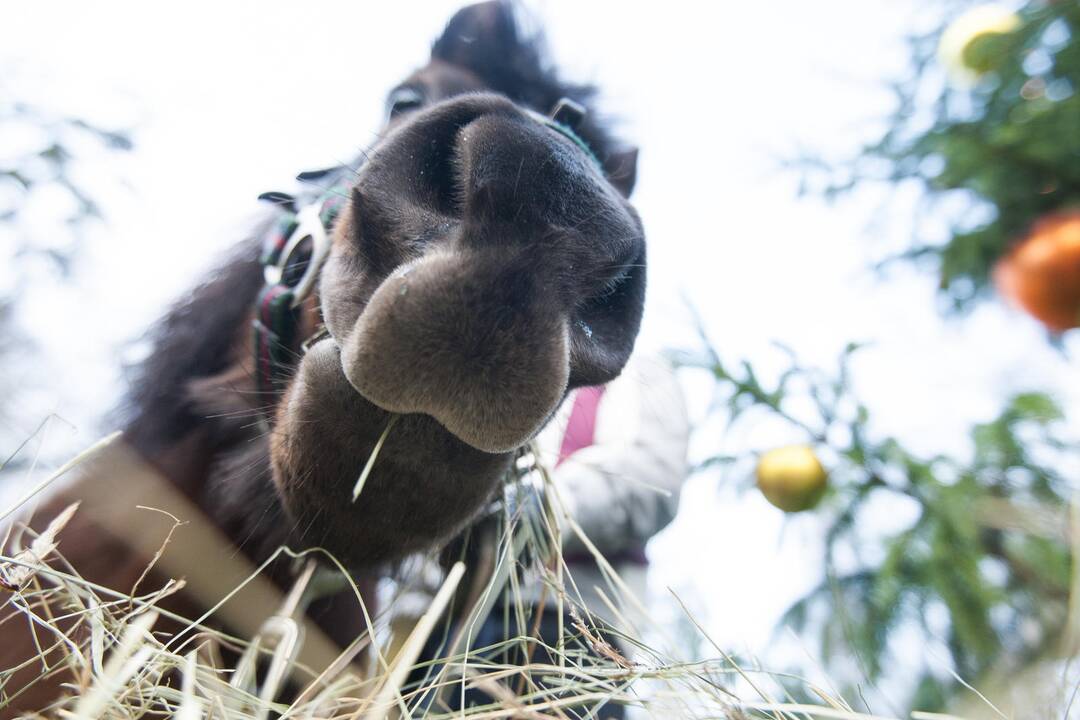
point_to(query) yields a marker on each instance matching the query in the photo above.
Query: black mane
(489, 41)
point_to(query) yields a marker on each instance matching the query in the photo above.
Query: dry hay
(105, 647)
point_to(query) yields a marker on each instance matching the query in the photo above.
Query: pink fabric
(581, 427)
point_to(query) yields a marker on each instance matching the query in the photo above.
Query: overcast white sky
(231, 99)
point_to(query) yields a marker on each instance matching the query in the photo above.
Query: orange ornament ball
(1042, 273)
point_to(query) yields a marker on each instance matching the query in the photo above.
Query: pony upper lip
(460, 339)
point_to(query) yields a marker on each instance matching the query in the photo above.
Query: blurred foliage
(46, 160)
(40, 160)
(1005, 138)
(970, 557)
(982, 568)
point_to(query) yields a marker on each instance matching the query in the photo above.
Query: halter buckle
(309, 226)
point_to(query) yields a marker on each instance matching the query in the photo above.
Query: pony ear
(479, 36)
(620, 166)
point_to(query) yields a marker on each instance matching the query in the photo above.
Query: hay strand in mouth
(359, 487)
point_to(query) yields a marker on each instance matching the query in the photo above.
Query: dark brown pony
(484, 263)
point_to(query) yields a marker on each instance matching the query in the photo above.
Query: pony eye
(404, 100)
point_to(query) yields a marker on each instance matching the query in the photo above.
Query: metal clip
(568, 113)
(308, 226)
(321, 334)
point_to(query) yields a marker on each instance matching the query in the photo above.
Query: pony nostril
(609, 297)
(610, 281)
(613, 283)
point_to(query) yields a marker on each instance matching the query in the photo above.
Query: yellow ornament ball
(792, 478)
(972, 44)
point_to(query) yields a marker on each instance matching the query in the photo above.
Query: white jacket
(624, 487)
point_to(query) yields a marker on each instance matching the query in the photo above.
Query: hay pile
(107, 649)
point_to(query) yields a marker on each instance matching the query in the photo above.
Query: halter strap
(293, 253)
